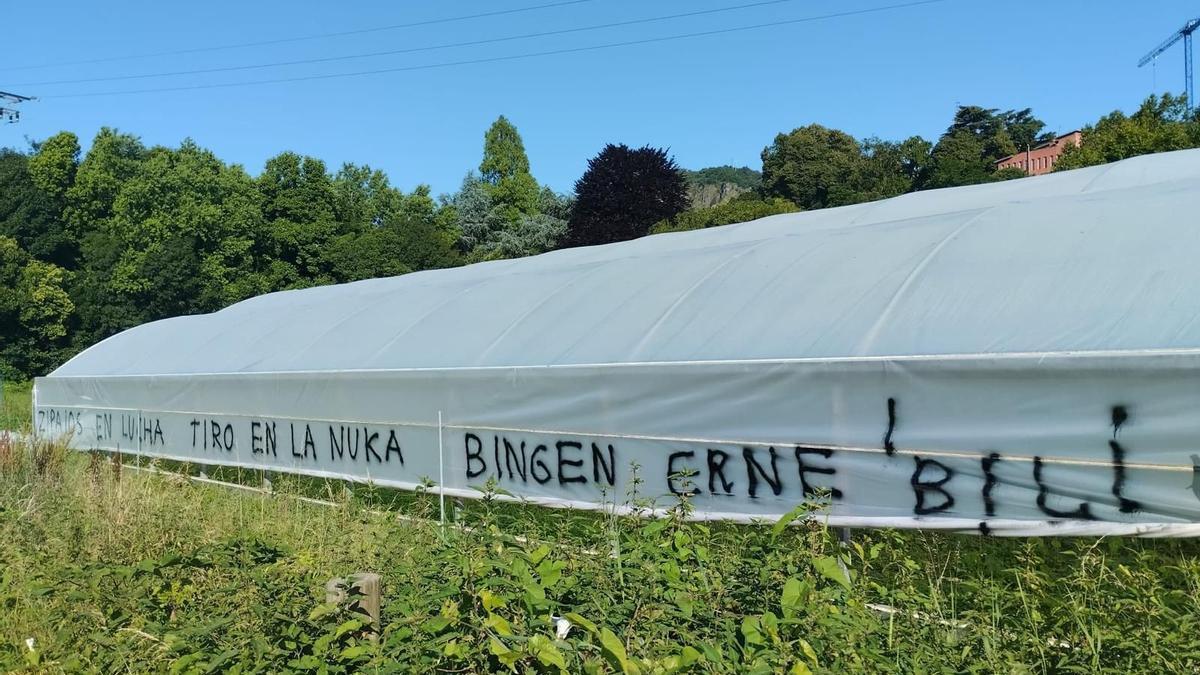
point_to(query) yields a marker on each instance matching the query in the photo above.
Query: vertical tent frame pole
(441, 473)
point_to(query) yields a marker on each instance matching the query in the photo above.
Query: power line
(302, 38)
(410, 50)
(513, 57)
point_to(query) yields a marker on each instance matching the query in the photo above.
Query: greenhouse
(1018, 357)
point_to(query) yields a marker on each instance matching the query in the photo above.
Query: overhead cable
(497, 59)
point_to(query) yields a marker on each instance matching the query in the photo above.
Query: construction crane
(11, 115)
(1184, 34)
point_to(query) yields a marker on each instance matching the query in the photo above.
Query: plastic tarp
(1013, 358)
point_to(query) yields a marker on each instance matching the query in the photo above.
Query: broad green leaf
(580, 621)
(499, 624)
(347, 626)
(490, 600)
(791, 596)
(751, 631)
(306, 662)
(536, 555)
(654, 527)
(614, 651)
(497, 647)
(321, 610)
(503, 654)
(351, 653)
(809, 652)
(549, 572)
(828, 567)
(546, 652)
(685, 604)
(787, 518)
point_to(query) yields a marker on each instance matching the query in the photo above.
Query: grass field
(16, 408)
(105, 569)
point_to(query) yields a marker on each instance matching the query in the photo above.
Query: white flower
(561, 627)
(29, 643)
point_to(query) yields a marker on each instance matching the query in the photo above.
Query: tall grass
(108, 569)
(16, 408)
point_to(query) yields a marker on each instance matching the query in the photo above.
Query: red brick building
(1040, 159)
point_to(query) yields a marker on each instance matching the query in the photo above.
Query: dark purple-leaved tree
(623, 192)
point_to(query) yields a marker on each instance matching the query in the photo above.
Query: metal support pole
(441, 473)
(845, 534)
(33, 417)
(1187, 69)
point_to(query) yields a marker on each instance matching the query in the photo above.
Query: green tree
(480, 221)
(497, 210)
(743, 177)
(181, 197)
(503, 152)
(505, 168)
(531, 235)
(158, 232)
(888, 168)
(959, 159)
(52, 167)
(1025, 130)
(967, 153)
(623, 192)
(414, 234)
(426, 231)
(1160, 124)
(31, 216)
(112, 159)
(296, 188)
(363, 197)
(486, 235)
(34, 309)
(813, 166)
(299, 201)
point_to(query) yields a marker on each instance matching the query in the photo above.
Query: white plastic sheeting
(1014, 358)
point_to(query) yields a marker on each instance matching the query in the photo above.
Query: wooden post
(360, 594)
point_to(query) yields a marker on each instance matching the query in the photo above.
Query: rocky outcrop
(712, 194)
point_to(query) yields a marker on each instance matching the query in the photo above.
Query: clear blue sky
(712, 100)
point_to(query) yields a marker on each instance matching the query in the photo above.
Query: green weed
(16, 406)
(105, 569)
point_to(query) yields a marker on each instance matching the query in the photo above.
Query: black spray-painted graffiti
(790, 472)
(761, 473)
(134, 430)
(352, 443)
(561, 460)
(689, 471)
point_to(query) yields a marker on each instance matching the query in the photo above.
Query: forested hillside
(718, 184)
(94, 243)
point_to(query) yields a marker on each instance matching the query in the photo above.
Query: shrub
(739, 210)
